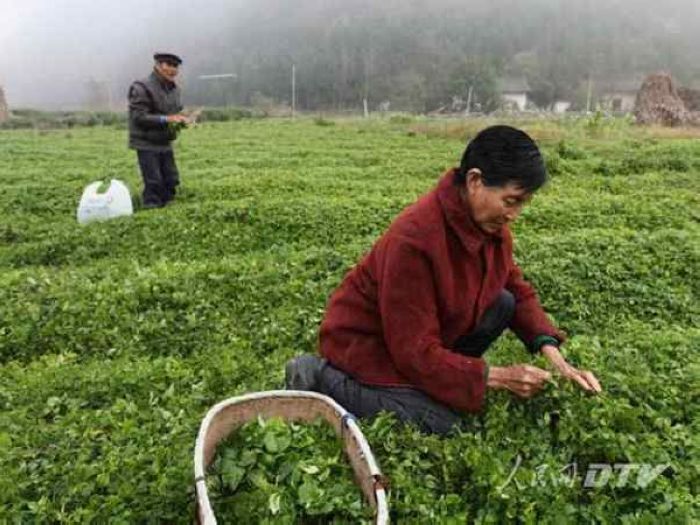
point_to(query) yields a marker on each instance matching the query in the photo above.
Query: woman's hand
(584, 378)
(523, 380)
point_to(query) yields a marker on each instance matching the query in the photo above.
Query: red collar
(458, 216)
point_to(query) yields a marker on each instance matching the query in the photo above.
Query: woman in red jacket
(407, 328)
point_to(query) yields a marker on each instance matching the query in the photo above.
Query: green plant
(284, 473)
(320, 121)
(116, 338)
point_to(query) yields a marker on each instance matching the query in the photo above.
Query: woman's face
(492, 207)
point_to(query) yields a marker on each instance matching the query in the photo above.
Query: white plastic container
(115, 202)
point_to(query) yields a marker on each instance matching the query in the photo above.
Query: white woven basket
(290, 405)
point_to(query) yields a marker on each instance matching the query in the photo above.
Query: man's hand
(523, 380)
(584, 378)
(177, 119)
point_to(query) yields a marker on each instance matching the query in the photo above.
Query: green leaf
(309, 493)
(310, 469)
(270, 442)
(274, 503)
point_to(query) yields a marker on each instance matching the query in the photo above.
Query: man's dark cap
(167, 57)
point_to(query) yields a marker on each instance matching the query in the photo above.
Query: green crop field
(116, 338)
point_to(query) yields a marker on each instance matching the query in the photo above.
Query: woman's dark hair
(504, 154)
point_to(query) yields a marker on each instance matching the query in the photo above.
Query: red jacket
(427, 281)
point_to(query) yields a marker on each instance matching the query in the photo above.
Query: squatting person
(407, 328)
(154, 114)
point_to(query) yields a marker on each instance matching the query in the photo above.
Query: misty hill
(419, 54)
(415, 54)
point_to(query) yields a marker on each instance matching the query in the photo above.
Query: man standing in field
(407, 329)
(154, 118)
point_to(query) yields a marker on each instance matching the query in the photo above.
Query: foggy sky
(49, 49)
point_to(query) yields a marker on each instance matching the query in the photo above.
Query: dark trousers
(409, 404)
(160, 177)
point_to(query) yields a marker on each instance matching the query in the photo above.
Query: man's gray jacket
(150, 101)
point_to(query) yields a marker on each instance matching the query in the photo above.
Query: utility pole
(4, 109)
(588, 95)
(294, 89)
(367, 69)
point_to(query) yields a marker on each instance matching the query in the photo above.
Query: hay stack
(690, 97)
(4, 110)
(658, 102)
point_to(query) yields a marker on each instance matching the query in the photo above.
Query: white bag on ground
(115, 202)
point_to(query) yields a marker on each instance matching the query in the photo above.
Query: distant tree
(479, 75)
(420, 54)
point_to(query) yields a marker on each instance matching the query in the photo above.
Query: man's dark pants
(409, 404)
(160, 177)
